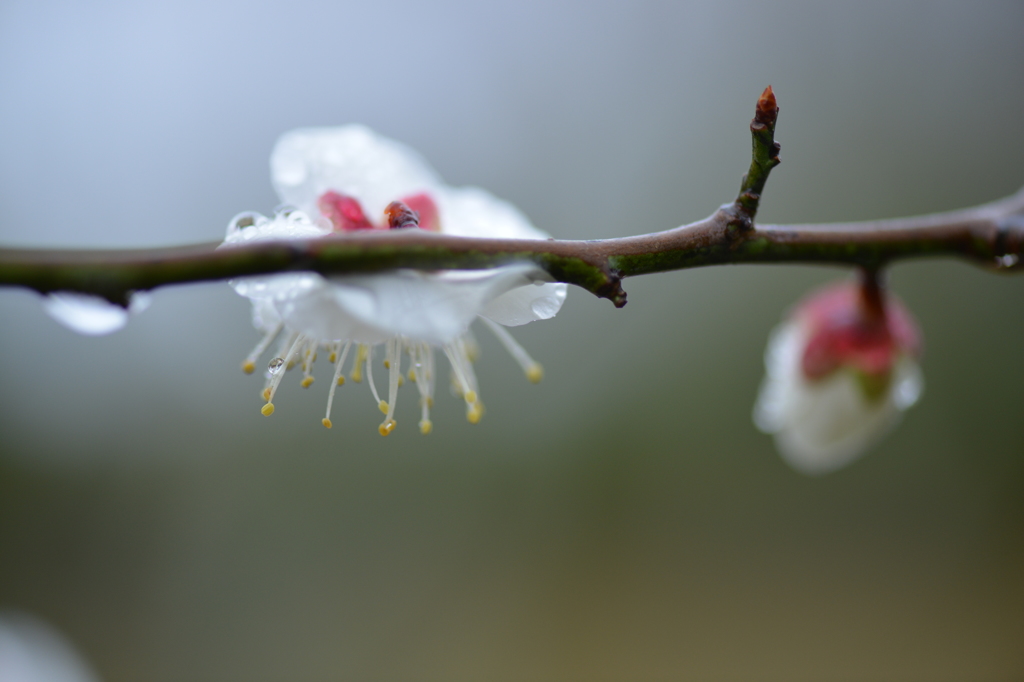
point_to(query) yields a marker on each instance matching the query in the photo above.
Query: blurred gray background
(624, 519)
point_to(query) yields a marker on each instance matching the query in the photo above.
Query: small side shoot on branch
(765, 157)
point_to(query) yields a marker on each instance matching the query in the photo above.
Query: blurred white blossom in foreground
(32, 651)
(840, 371)
(337, 180)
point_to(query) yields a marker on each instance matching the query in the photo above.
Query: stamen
(470, 345)
(307, 363)
(394, 359)
(474, 411)
(533, 370)
(281, 352)
(464, 376)
(338, 381)
(387, 427)
(249, 365)
(381, 405)
(275, 380)
(357, 365)
(422, 356)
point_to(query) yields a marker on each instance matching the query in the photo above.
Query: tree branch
(990, 235)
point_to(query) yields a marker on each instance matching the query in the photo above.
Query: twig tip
(767, 108)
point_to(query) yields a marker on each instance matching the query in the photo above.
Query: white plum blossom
(338, 180)
(840, 372)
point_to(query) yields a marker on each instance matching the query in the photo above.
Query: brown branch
(991, 235)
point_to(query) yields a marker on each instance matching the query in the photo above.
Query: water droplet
(545, 307)
(91, 315)
(243, 220)
(1007, 261)
(275, 366)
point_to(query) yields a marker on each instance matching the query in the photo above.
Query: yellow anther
(333, 357)
(248, 366)
(387, 364)
(426, 426)
(307, 382)
(387, 427)
(474, 413)
(470, 396)
(535, 373)
(341, 381)
(267, 409)
(383, 405)
(401, 380)
(314, 358)
(291, 363)
(412, 375)
(266, 393)
(326, 422)
(427, 400)
(357, 374)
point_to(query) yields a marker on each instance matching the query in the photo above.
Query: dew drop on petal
(85, 314)
(546, 307)
(242, 221)
(275, 365)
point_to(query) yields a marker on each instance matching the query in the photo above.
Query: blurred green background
(624, 519)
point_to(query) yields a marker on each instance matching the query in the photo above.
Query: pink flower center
(346, 213)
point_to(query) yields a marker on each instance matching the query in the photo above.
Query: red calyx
(344, 212)
(846, 332)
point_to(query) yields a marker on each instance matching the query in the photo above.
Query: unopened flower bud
(841, 369)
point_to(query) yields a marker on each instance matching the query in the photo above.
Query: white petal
(32, 651)
(525, 304)
(320, 315)
(473, 212)
(781, 361)
(264, 315)
(352, 160)
(436, 308)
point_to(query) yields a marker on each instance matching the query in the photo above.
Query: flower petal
(473, 212)
(538, 301)
(431, 307)
(351, 160)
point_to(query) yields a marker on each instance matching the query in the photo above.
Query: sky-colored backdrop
(624, 519)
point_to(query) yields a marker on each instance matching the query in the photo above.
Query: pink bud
(840, 371)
